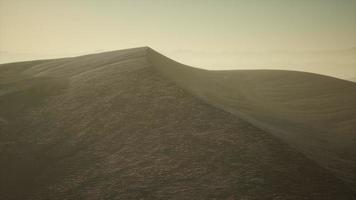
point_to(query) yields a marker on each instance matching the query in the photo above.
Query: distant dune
(133, 124)
(336, 63)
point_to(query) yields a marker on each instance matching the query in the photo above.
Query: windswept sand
(315, 114)
(115, 126)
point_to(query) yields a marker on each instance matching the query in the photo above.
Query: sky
(48, 28)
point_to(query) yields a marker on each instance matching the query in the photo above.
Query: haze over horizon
(178, 99)
(207, 34)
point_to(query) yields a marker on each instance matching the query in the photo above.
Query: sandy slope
(110, 126)
(314, 113)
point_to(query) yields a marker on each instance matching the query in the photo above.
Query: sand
(132, 124)
(314, 113)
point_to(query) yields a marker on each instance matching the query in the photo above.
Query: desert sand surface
(314, 113)
(133, 124)
(338, 63)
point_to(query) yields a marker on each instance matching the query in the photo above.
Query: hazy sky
(70, 27)
(86, 25)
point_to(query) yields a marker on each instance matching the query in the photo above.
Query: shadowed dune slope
(115, 126)
(316, 114)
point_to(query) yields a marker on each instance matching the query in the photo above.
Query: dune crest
(133, 124)
(314, 113)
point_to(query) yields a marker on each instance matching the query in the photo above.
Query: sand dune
(336, 63)
(115, 126)
(314, 113)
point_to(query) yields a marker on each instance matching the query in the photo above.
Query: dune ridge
(121, 125)
(312, 112)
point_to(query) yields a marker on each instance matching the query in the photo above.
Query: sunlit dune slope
(116, 126)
